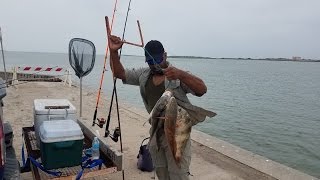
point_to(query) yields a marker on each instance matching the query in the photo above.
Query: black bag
(144, 158)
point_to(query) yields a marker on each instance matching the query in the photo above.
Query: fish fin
(155, 134)
(158, 140)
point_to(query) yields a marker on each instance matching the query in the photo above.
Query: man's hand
(172, 73)
(115, 43)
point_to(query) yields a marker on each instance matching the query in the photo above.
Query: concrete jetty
(212, 158)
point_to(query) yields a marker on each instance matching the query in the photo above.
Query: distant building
(296, 58)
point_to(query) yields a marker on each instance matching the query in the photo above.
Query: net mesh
(81, 56)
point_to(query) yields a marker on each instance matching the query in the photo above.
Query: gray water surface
(269, 108)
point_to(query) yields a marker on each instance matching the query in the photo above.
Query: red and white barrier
(45, 69)
(37, 69)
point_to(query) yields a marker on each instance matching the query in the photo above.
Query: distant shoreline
(261, 59)
(196, 57)
(246, 59)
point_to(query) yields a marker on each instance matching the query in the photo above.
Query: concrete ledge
(241, 162)
(113, 154)
(265, 168)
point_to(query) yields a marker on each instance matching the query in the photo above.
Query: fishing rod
(4, 62)
(101, 121)
(114, 92)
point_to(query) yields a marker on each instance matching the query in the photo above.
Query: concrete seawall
(245, 163)
(237, 161)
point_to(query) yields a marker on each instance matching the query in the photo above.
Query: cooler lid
(60, 130)
(53, 106)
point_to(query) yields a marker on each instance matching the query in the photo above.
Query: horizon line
(180, 56)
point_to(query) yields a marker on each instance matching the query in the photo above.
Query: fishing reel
(101, 122)
(115, 135)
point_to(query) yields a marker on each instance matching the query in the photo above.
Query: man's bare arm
(193, 82)
(116, 66)
(115, 44)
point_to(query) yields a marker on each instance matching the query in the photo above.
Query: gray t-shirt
(153, 92)
(140, 76)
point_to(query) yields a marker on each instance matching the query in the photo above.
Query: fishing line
(158, 67)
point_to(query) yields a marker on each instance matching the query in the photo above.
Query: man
(153, 81)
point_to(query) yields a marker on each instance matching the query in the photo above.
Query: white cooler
(61, 144)
(51, 109)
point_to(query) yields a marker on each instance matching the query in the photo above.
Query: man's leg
(162, 173)
(182, 172)
(160, 162)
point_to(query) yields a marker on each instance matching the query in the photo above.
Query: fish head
(167, 93)
(172, 108)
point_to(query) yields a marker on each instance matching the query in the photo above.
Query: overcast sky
(216, 28)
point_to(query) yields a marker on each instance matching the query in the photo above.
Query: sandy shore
(18, 105)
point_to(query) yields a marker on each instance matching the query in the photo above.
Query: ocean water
(267, 107)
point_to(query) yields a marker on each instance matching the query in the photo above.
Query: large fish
(177, 128)
(176, 122)
(171, 114)
(183, 131)
(157, 115)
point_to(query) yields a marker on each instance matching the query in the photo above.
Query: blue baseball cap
(153, 52)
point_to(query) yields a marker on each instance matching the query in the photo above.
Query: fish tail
(177, 158)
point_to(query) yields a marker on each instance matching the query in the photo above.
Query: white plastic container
(52, 109)
(58, 131)
(61, 143)
(95, 148)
